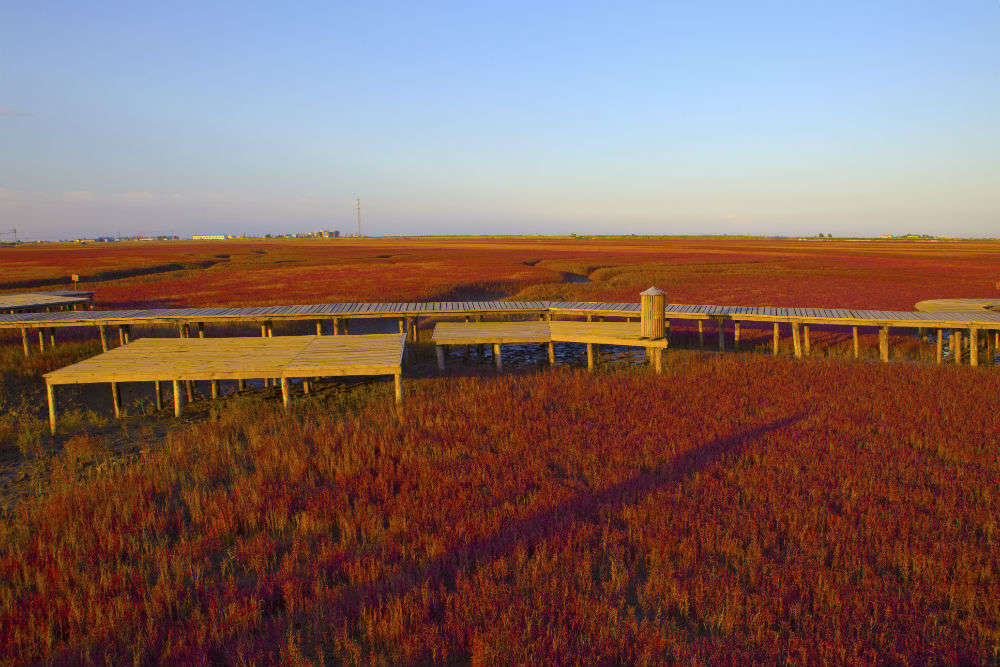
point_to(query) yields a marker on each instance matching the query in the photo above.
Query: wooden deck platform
(588, 333)
(951, 305)
(29, 301)
(282, 357)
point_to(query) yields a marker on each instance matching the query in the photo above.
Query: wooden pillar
(159, 396)
(652, 321)
(956, 345)
(270, 329)
(41, 340)
(439, 349)
(775, 337)
(736, 334)
(116, 399)
(214, 388)
(335, 325)
(346, 325)
(189, 389)
(497, 357)
(701, 334)
(402, 324)
(121, 334)
(590, 318)
(305, 386)
(319, 327)
(552, 354)
(722, 336)
(104, 337)
(883, 343)
(656, 356)
(398, 382)
(241, 384)
(24, 342)
(187, 329)
(52, 337)
(177, 398)
(284, 392)
(128, 333)
(590, 356)
(973, 346)
(940, 346)
(807, 348)
(201, 329)
(796, 340)
(854, 341)
(50, 393)
(263, 330)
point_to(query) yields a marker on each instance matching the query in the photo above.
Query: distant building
(327, 234)
(211, 237)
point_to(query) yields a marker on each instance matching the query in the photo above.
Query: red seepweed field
(739, 509)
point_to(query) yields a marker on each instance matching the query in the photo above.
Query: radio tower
(358, 203)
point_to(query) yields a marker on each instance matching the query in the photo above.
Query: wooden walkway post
(652, 321)
(398, 382)
(24, 342)
(52, 337)
(956, 345)
(775, 335)
(655, 355)
(552, 354)
(241, 384)
(722, 336)
(335, 326)
(201, 329)
(319, 327)
(973, 346)
(104, 337)
(41, 340)
(284, 392)
(214, 386)
(590, 356)
(116, 399)
(805, 340)
(497, 356)
(50, 393)
(796, 341)
(736, 335)
(652, 326)
(177, 398)
(439, 349)
(701, 333)
(940, 346)
(159, 396)
(854, 341)
(883, 343)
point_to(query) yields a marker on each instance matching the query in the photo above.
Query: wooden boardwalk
(548, 332)
(967, 323)
(981, 318)
(178, 360)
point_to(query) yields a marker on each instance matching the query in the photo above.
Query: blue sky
(852, 118)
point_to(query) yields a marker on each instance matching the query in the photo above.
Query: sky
(799, 118)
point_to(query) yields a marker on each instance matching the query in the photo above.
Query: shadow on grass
(540, 526)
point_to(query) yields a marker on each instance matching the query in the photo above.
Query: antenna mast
(358, 202)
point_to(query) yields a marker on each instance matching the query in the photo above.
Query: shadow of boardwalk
(533, 529)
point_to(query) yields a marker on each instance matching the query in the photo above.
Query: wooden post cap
(652, 291)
